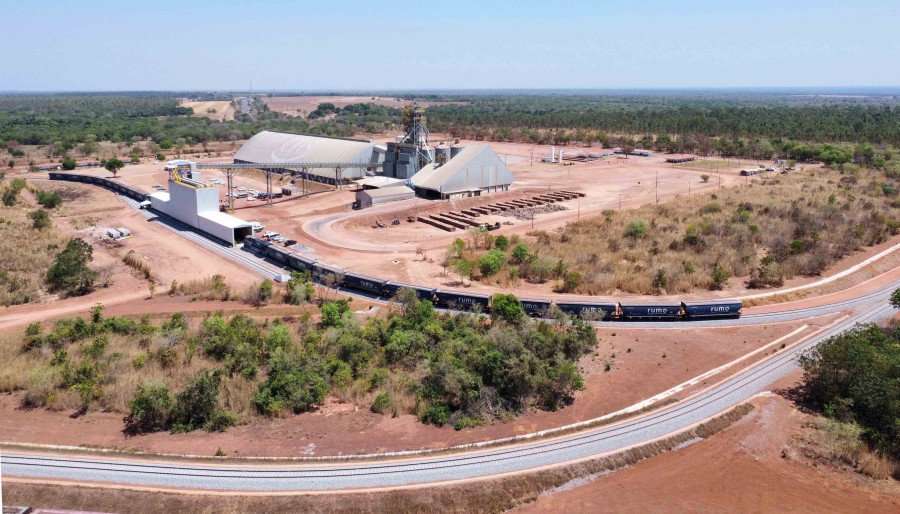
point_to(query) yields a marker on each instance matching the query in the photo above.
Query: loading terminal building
(197, 205)
(448, 172)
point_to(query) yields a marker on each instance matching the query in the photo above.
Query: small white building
(197, 204)
(368, 197)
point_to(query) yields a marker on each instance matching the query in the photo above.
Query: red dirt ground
(738, 470)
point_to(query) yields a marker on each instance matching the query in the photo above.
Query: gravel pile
(526, 213)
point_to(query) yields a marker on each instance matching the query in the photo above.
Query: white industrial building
(269, 146)
(475, 169)
(197, 204)
(368, 197)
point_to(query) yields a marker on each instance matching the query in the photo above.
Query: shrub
(437, 414)
(711, 208)
(540, 269)
(263, 292)
(719, 277)
(660, 281)
(39, 219)
(151, 409)
(197, 404)
(220, 421)
(491, 262)
(636, 229)
(288, 386)
(463, 268)
(704, 178)
(68, 163)
(501, 243)
(570, 282)
(798, 246)
(520, 253)
(381, 403)
(467, 422)
(48, 199)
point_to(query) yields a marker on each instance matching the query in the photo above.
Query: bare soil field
(754, 466)
(217, 110)
(626, 367)
(303, 105)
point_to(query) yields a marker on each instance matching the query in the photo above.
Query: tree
(491, 262)
(70, 272)
(854, 377)
(68, 163)
(507, 307)
(704, 178)
(463, 268)
(113, 165)
(39, 219)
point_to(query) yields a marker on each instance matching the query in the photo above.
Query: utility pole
(657, 186)
(578, 217)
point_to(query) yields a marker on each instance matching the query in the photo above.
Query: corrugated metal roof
(473, 168)
(380, 181)
(388, 191)
(268, 146)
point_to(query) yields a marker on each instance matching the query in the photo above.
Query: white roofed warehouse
(475, 169)
(269, 146)
(368, 197)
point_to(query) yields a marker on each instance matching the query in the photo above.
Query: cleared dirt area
(742, 469)
(216, 110)
(326, 227)
(88, 215)
(303, 105)
(626, 367)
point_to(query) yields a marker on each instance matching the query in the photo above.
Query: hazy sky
(302, 45)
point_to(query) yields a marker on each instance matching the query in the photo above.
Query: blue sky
(300, 45)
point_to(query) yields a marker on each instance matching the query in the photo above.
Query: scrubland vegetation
(461, 370)
(782, 226)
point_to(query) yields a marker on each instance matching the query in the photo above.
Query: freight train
(598, 311)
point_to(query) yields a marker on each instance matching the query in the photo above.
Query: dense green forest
(854, 122)
(70, 119)
(753, 125)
